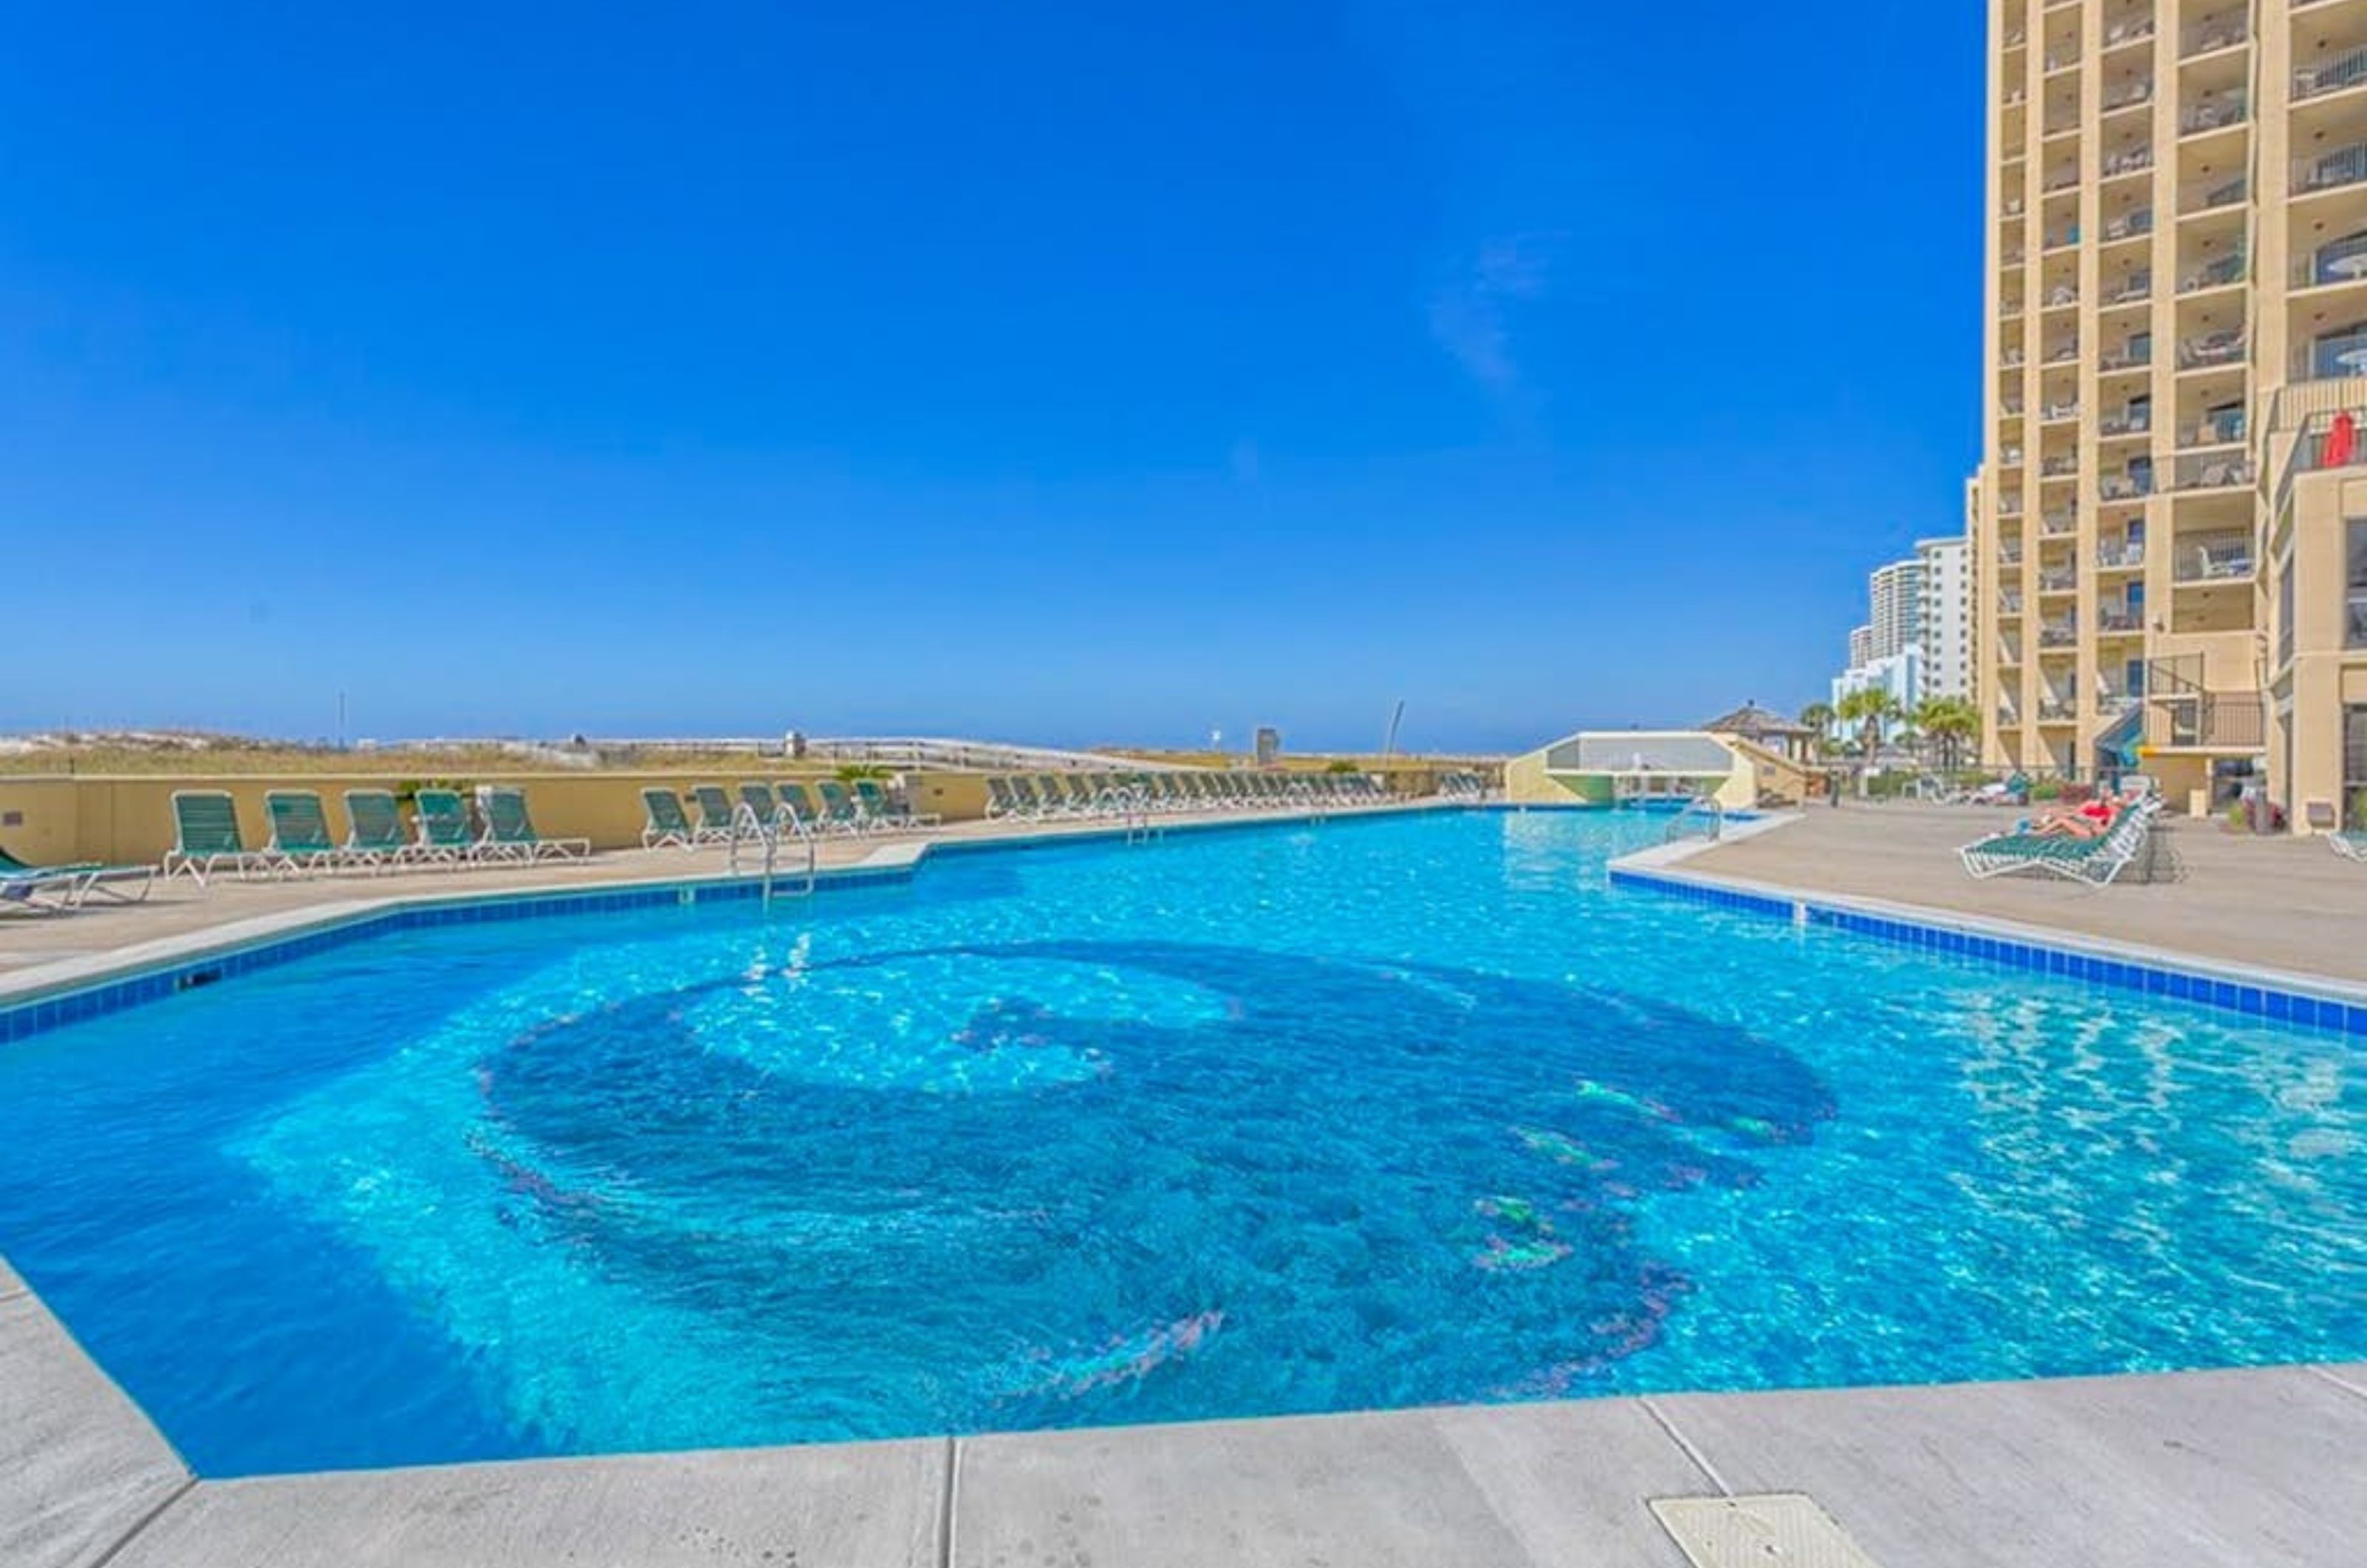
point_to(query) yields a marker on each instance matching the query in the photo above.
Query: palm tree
(1870, 708)
(1948, 723)
(1818, 717)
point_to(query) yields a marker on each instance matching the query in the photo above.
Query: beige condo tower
(2176, 353)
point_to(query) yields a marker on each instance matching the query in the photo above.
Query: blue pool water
(1289, 1120)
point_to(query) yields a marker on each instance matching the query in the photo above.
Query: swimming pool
(1292, 1119)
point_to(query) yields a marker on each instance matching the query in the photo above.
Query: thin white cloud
(1470, 316)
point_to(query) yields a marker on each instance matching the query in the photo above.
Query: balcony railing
(2008, 653)
(2049, 413)
(2210, 348)
(2009, 555)
(2212, 198)
(2118, 620)
(2202, 472)
(2125, 423)
(2062, 294)
(2009, 602)
(2011, 358)
(2062, 521)
(2129, 225)
(2054, 241)
(2010, 507)
(2060, 179)
(2059, 634)
(2215, 112)
(2130, 97)
(2330, 170)
(2340, 261)
(2319, 77)
(2213, 33)
(2058, 579)
(2128, 30)
(2123, 554)
(2132, 355)
(2133, 161)
(2057, 711)
(2216, 272)
(2134, 486)
(2224, 428)
(2224, 557)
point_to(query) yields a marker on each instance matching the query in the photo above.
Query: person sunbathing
(2090, 819)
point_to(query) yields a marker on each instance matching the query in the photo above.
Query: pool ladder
(1136, 805)
(785, 823)
(1711, 823)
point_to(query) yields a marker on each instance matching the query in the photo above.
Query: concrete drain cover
(1782, 1528)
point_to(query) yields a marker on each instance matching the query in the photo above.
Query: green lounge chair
(888, 815)
(1001, 800)
(2351, 845)
(97, 879)
(663, 822)
(42, 891)
(2095, 861)
(445, 835)
(799, 805)
(374, 832)
(839, 812)
(509, 830)
(718, 822)
(206, 837)
(300, 839)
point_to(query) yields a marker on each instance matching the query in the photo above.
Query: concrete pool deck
(2254, 1467)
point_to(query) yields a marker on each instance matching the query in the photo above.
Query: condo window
(2355, 585)
(2354, 768)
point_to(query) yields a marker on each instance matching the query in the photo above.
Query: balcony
(2062, 466)
(2119, 620)
(2128, 421)
(2333, 357)
(2065, 178)
(2330, 170)
(2010, 506)
(2061, 352)
(2135, 161)
(2317, 78)
(2059, 634)
(2061, 296)
(2224, 428)
(2010, 554)
(2011, 358)
(2127, 30)
(2058, 413)
(2125, 554)
(2129, 225)
(2010, 602)
(2055, 710)
(2213, 34)
(2129, 96)
(2206, 349)
(2133, 486)
(2215, 112)
(2339, 261)
(2214, 271)
(2058, 579)
(2133, 355)
(2136, 287)
(2225, 557)
(2207, 472)
(2059, 239)
(2061, 522)
(2197, 200)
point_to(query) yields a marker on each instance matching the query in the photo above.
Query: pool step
(1776, 1529)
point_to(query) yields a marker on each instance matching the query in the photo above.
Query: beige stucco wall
(127, 819)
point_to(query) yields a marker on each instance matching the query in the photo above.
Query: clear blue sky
(1076, 372)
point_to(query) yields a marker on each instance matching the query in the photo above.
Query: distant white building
(1861, 646)
(1946, 617)
(1900, 674)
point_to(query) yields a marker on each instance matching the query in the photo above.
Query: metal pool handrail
(1705, 807)
(746, 824)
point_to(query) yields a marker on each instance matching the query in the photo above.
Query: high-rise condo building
(2170, 575)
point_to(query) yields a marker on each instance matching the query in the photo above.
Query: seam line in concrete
(189, 1484)
(945, 1503)
(1701, 1459)
(14, 1292)
(2345, 1384)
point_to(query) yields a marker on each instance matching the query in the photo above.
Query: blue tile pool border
(2162, 976)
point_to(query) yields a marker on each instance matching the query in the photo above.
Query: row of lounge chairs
(1463, 787)
(2094, 860)
(445, 832)
(1042, 797)
(717, 817)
